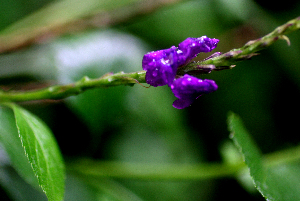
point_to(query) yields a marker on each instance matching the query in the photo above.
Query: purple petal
(182, 103)
(191, 47)
(188, 88)
(161, 66)
(191, 87)
(150, 58)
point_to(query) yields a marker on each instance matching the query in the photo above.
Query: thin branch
(64, 91)
(154, 171)
(224, 61)
(150, 171)
(250, 49)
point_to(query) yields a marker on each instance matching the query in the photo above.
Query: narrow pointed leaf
(10, 140)
(275, 183)
(247, 146)
(42, 152)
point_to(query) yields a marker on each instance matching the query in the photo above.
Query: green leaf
(10, 140)
(42, 152)
(277, 182)
(244, 142)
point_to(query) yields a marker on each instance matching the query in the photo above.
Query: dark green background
(139, 124)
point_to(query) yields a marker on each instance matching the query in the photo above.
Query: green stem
(63, 91)
(150, 171)
(224, 61)
(282, 157)
(250, 49)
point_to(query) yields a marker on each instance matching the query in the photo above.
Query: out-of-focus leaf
(173, 25)
(276, 183)
(78, 190)
(110, 190)
(155, 133)
(17, 188)
(230, 154)
(11, 142)
(89, 188)
(94, 55)
(15, 10)
(235, 9)
(42, 152)
(52, 18)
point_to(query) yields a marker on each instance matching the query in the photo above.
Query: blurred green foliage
(137, 124)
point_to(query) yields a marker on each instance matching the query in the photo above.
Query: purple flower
(191, 47)
(161, 66)
(188, 88)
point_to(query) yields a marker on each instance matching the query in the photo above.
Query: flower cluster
(161, 67)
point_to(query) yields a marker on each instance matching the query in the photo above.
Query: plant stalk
(221, 62)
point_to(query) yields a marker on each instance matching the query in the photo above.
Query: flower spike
(161, 69)
(161, 65)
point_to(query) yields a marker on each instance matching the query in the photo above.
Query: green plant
(150, 149)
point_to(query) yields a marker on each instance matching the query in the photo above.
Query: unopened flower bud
(188, 88)
(191, 47)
